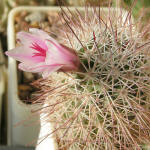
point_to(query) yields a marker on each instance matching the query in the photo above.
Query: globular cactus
(106, 104)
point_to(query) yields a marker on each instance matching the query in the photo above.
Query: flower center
(39, 50)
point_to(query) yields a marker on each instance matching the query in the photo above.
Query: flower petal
(23, 54)
(44, 36)
(55, 54)
(46, 70)
(61, 55)
(51, 69)
(40, 33)
(28, 39)
(40, 67)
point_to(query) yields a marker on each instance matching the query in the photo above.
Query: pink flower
(41, 53)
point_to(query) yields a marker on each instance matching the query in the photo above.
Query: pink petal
(28, 39)
(24, 54)
(55, 54)
(61, 55)
(40, 67)
(40, 33)
(44, 36)
(48, 71)
(70, 53)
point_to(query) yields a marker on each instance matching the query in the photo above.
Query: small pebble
(34, 24)
(44, 24)
(28, 76)
(35, 17)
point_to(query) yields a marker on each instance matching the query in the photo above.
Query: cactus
(106, 104)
